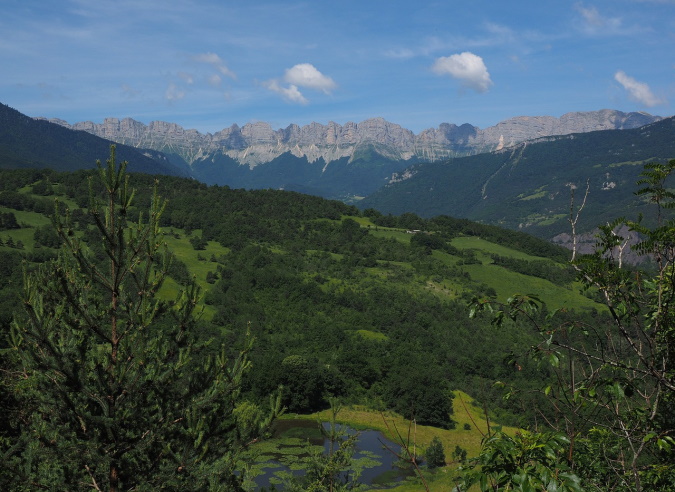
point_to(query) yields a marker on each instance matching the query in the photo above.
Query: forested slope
(528, 186)
(372, 309)
(29, 143)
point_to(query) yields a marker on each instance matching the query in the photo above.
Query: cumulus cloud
(216, 62)
(306, 75)
(290, 93)
(638, 91)
(301, 75)
(465, 67)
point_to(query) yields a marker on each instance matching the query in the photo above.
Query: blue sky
(208, 64)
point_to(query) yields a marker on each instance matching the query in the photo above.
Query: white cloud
(465, 67)
(306, 75)
(215, 80)
(174, 93)
(401, 53)
(595, 23)
(638, 91)
(300, 75)
(188, 78)
(290, 93)
(215, 61)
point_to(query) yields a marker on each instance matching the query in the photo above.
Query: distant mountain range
(335, 161)
(517, 174)
(528, 186)
(257, 143)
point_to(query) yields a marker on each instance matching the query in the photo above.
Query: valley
(337, 247)
(518, 174)
(320, 282)
(399, 310)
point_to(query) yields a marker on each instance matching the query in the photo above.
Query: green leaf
(554, 359)
(665, 443)
(649, 436)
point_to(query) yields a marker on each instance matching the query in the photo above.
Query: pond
(293, 442)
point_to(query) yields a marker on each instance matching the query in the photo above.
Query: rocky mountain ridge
(258, 143)
(529, 186)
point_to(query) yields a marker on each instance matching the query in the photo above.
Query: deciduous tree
(615, 379)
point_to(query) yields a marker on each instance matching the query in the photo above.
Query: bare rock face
(257, 143)
(524, 128)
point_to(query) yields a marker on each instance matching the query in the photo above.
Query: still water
(372, 461)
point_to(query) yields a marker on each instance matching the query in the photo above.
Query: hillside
(524, 187)
(336, 161)
(318, 279)
(527, 187)
(29, 143)
(367, 308)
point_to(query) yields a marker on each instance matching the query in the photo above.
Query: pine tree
(435, 454)
(122, 391)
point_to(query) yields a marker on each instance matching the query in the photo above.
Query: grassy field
(363, 221)
(471, 427)
(28, 221)
(507, 283)
(31, 219)
(372, 335)
(465, 412)
(199, 263)
(25, 235)
(490, 248)
(504, 282)
(398, 234)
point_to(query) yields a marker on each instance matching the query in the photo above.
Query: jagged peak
(257, 142)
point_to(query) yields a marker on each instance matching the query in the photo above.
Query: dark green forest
(310, 300)
(29, 143)
(527, 186)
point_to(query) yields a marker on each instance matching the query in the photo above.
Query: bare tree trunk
(574, 218)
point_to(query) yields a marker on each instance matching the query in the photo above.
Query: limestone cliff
(258, 143)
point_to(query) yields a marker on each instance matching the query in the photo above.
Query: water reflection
(372, 461)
